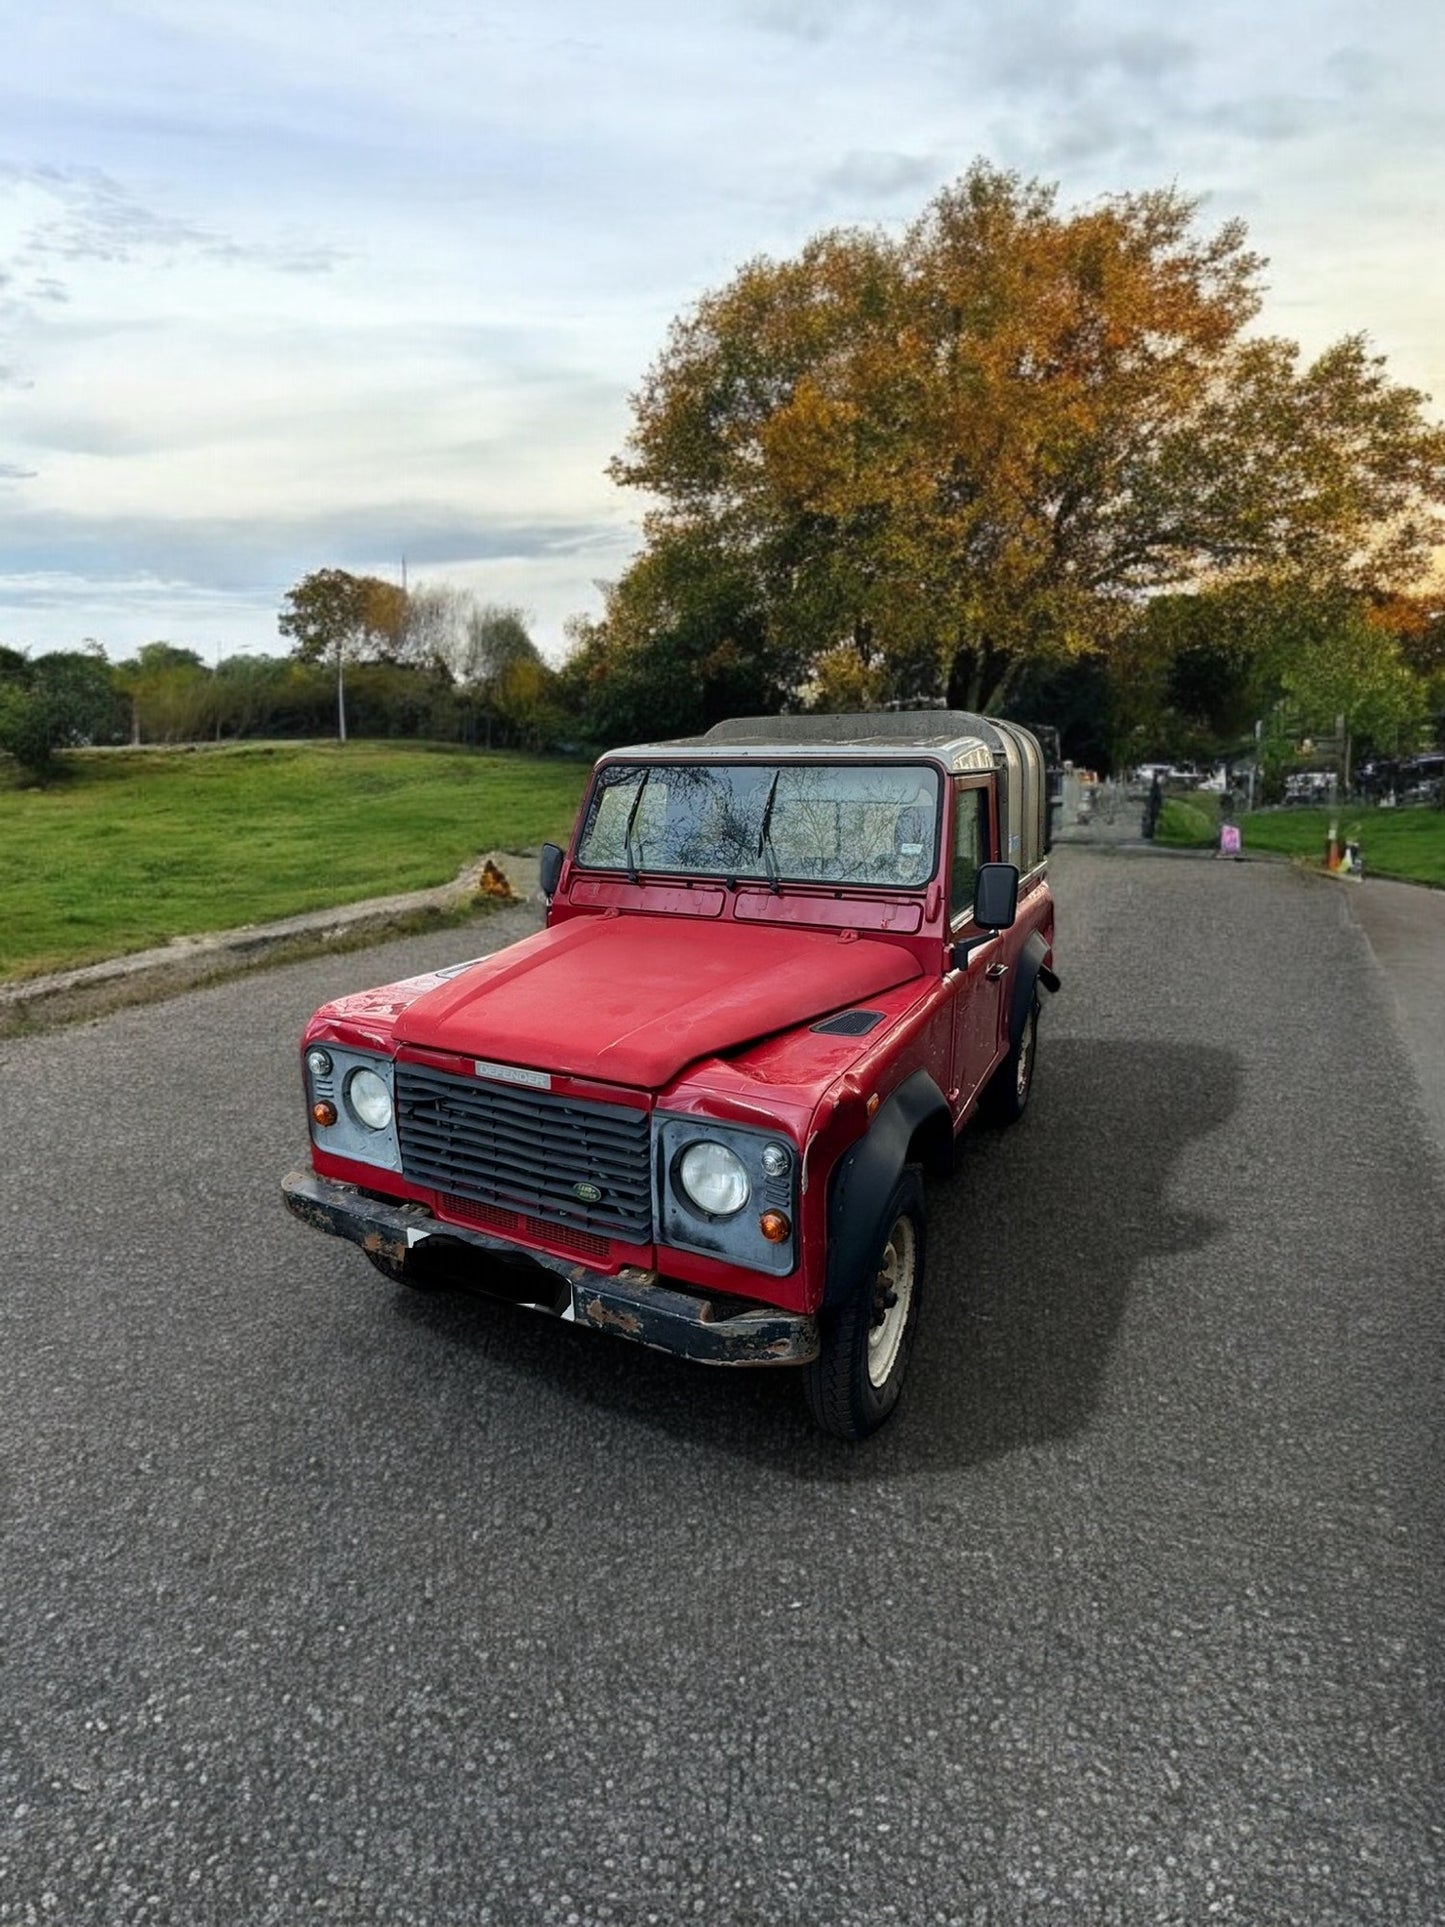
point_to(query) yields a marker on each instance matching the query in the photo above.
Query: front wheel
(853, 1384)
(1006, 1095)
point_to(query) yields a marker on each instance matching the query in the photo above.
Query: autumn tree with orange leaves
(918, 467)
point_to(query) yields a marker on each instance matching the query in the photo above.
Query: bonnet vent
(849, 1023)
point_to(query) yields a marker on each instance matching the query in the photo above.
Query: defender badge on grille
(512, 1074)
(588, 1193)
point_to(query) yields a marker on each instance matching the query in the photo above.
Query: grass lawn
(1187, 825)
(131, 848)
(1407, 844)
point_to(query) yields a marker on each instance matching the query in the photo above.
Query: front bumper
(632, 1303)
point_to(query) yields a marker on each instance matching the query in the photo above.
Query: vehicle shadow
(1038, 1237)
(1034, 1245)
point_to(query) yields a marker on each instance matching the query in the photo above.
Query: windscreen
(873, 825)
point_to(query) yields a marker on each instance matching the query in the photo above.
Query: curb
(35, 1003)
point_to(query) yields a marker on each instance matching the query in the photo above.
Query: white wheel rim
(1026, 1059)
(896, 1271)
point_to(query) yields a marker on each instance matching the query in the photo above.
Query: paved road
(323, 1603)
(1406, 929)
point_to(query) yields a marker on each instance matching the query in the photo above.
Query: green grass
(1188, 825)
(1406, 844)
(131, 848)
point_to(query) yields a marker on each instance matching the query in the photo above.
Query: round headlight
(714, 1178)
(369, 1099)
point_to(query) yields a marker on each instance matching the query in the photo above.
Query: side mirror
(551, 870)
(995, 896)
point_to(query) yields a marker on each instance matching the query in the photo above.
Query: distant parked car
(1423, 778)
(1310, 786)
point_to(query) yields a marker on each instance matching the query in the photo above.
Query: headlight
(369, 1099)
(714, 1178)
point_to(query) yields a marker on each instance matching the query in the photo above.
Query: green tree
(1195, 672)
(64, 700)
(272, 696)
(1190, 673)
(682, 643)
(332, 614)
(1354, 677)
(970, 451)
(171, 694)
(506, 684)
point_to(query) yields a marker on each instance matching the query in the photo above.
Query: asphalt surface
(325, 1602)
(1406, 930)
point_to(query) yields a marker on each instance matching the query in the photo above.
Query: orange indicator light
(323, 1112)
(774, 1227)
(873, 1104)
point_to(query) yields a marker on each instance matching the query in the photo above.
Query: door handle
(995, 971)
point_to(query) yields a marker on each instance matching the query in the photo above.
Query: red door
(981, 981)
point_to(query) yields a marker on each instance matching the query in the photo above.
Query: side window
(970, 845)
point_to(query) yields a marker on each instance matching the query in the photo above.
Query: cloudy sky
(292, 284)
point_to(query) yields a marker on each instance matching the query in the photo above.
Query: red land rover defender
(784, 964)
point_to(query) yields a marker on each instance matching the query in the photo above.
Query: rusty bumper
(630, 1303)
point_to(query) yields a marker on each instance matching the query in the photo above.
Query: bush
(60, 701)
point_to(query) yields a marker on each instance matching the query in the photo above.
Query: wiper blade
(627, 833)
(765, 841)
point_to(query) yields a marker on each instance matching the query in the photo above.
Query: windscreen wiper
(627, 833)
(765, 841)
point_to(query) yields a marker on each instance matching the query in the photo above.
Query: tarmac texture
(328, 1602)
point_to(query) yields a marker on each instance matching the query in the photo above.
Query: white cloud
(284, 286)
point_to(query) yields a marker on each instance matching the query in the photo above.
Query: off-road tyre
(853, 1384)
(1006, 1095)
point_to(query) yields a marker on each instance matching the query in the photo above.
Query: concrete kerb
(36, 1003)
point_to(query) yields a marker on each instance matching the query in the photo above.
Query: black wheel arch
(1030, 972)
(913, 1126)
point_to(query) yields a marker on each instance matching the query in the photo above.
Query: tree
(1417, 624)
(1191, 673)
(1355, 678)
(970, 451)
(331, 613)
(436, 625)
(60, 701)
(500, 668)
(171, 693)
(681, 644)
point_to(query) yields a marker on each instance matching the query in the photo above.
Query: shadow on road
(1035, 1243)
(1040, 1234)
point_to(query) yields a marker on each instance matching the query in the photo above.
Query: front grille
(496, 1217)
(527, 1151)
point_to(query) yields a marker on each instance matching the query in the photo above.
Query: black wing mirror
(551, 870)
(995, 896)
